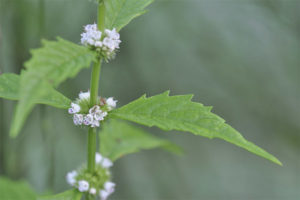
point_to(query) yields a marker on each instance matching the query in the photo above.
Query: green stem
(92, 133)
(101, 16)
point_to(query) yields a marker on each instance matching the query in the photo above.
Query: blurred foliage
(242, 57)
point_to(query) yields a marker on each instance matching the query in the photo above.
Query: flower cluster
(96, 183)
(105, 43)
(84, 114)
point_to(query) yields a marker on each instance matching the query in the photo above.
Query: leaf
(120, 12)
(67, 195)
(181, 114)
(9, 89)
(15, 190)
(49, 66)
(119, 138)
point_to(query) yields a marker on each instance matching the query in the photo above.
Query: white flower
(98, 158)
(97, 113)
(75, 108)
(93, 191)
(90, 27)
(103, 194)
(113, 34)
(91, 35)
(84, 95)
(71, 177)
(109, 43)
(88, 119)
(94, 109)
(106, 163)
(78, 119)
(109, 187)
(95, 123)
(83, 186)
(111, 103)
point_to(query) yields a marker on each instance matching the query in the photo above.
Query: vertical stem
(92, 133)
(101, 16)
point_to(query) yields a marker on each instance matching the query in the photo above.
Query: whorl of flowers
(93, 184)
(90, 115)
(105, 43)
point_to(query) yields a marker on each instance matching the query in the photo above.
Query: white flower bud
(109, 187)
(84, 95)
(111, 103)
(83, 186)
(103, 194)
(71, 177)
(93, 191)
(98, 158)
(106, 163)
(75, 108)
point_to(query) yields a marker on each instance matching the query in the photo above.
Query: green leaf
(180, 113)
(9, 89)
(15, 190)
(49, 66)
(67, 195)
(120, 12)
(119, 138)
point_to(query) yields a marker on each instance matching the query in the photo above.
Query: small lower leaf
(119, 138)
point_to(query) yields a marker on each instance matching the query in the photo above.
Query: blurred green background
(242, 57)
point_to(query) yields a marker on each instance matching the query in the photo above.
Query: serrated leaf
(49, 66)
(15, 190)
(9, 89)
(120, 12)
(180, 113)
(119, 138)
(67, 195)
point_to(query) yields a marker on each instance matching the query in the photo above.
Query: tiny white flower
(84, 95)
(98, 158)
(94, 109)
(88, 119)
(106, 163)
(95, 123)
(113, 34)
(78, 119)
(83, 186)
(75, 108)
(90, 27)
(111, 103)
(71, 177)
(109, 43)
(109, 187)
(93, 191)
(99, 115)
(103, 194)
